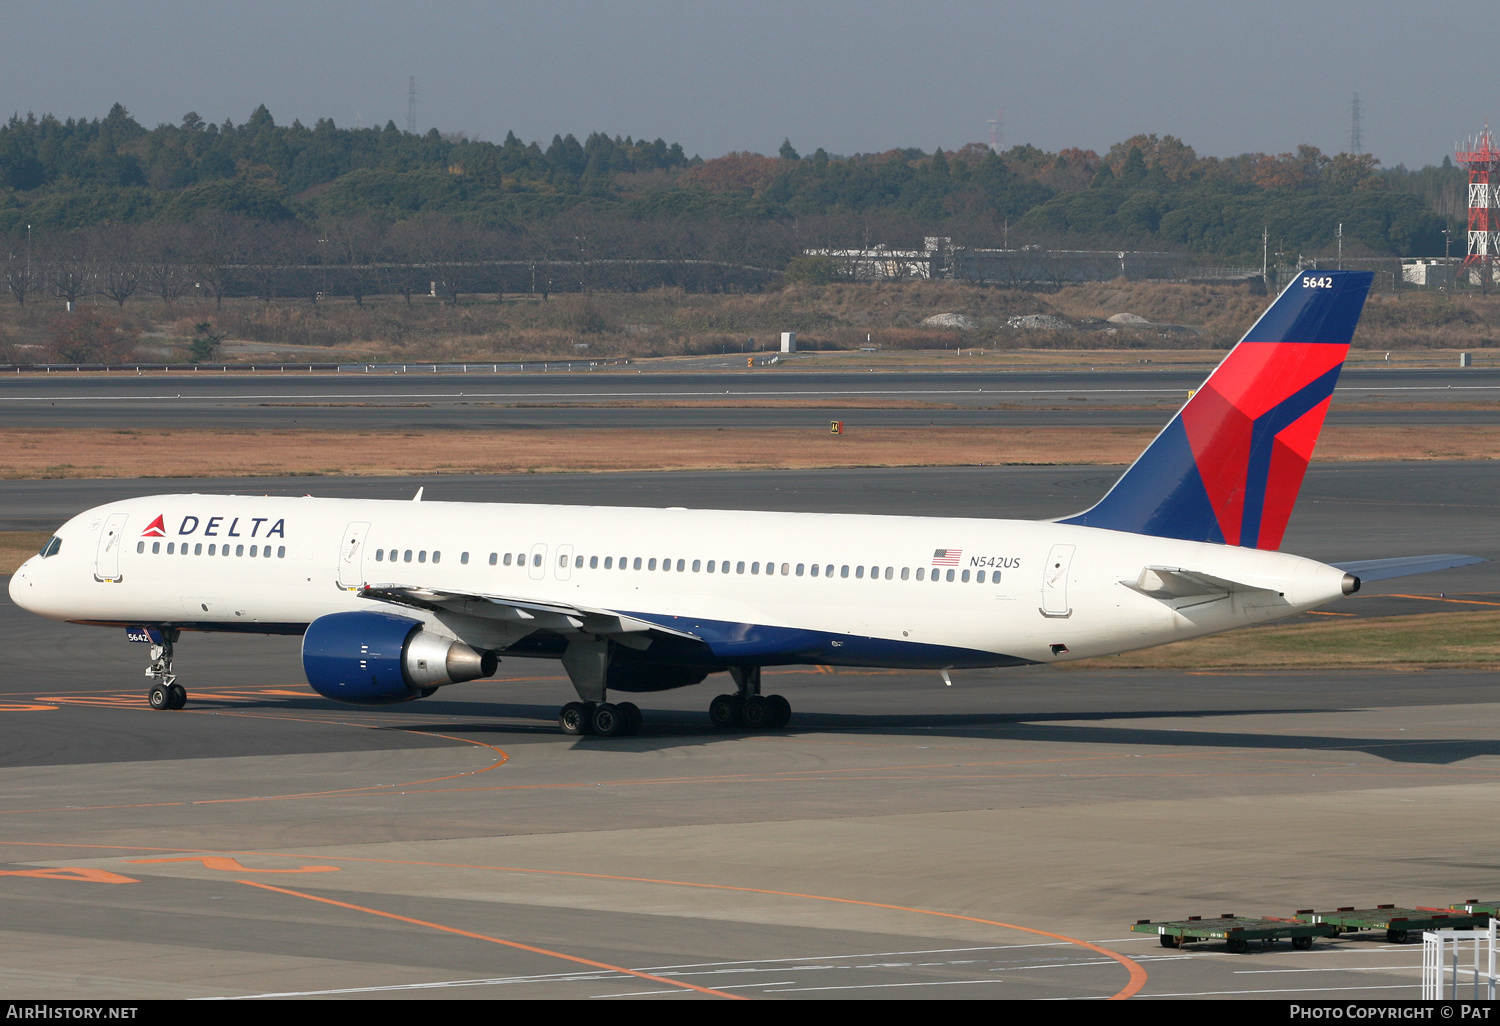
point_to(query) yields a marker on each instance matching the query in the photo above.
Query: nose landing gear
(165, 692)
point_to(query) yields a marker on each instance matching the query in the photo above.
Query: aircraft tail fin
(1228, 467)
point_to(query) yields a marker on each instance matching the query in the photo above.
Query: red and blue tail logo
(1228, 467)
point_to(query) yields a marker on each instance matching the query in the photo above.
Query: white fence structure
(1442, 953)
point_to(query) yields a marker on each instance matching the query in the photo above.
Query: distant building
(1429, 271)
(1030, 265)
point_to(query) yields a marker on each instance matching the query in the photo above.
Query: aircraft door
(107, 558)
(564, 562)
(1055, 581)
(352, 556)
(536, 562)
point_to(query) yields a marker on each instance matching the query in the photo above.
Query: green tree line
(61, 175)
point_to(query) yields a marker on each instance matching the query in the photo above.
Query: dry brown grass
(840, 317)
(1427, 639)
(18, 546)
(81, 453)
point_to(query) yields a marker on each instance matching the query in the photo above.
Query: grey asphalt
(609, 399)
(901, 839)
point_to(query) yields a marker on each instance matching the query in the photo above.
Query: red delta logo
(156, 529)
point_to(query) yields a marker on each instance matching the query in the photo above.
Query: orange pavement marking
(230, 865)
(1137, 974)
(497, 940)
(77, 873)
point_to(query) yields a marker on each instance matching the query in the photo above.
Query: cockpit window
(50, 549)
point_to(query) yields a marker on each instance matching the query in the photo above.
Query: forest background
(194, 214)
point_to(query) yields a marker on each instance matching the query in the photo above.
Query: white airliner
(395, 599)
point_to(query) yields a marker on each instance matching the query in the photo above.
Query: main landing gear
(600, 719)
(748, 707)
(165, 692)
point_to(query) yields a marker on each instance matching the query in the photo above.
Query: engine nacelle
(371, 658)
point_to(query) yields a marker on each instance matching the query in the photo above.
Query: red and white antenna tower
(997, 129)
(1481, 156)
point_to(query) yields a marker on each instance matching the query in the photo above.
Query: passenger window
(252, 551)
(966, 577)
(281, 552)
(799, 569)
(463, 559)
(859, 572)
(815, 569)
(562, 561)
(921, 573)
(406, 556)
(437, 557)
(239, 550)
(889, 571)
(697, 565)
(265, 552)
(637, 562)
(828, 570)
(710, 566)
(905, 572)
(755, 567)
(681, 565)
(652, 564)
(979, 577)
(786, 568)
(844, 570)
(211, 548)
(155, 548)
(609, 562)
(379, 554)
(198, 549)
(536, 560)
(739, 567)
(593, 562)
(169, 548)
(950, 576)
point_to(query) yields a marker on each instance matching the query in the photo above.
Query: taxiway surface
(900, 839)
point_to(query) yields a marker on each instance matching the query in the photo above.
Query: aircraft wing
(1403, 566)
(539, 615)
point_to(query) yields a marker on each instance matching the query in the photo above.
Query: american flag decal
(946, 557)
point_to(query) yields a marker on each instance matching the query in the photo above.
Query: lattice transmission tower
(411, 106)
(1482, 157)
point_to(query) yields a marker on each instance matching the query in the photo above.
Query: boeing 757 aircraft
(395, 599)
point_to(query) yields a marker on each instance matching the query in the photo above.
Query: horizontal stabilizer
(1168, 582)
(1404, 566)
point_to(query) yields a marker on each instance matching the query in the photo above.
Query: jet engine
(372, 658)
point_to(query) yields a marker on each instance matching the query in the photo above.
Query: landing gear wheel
(574, 719)
(756, 713)
(160, 697)
(1302, 943)
(609, 721)
(633, 719)
(724, 711)
(1237, 945)
(179, 696)
(780, 710)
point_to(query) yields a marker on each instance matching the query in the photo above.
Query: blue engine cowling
(373, 658)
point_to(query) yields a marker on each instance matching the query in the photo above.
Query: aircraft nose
(27, 587)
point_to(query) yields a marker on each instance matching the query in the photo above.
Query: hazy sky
(721, 75)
